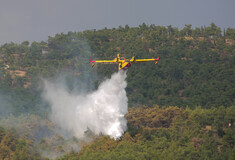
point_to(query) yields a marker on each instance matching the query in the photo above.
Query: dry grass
(230, 42)
(17, 73)
(27, 84)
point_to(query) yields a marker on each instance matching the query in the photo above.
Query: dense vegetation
(14, 147)
(153, 133)
(168, 133)
(196, 68)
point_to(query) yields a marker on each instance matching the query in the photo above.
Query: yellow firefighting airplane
(124, 64)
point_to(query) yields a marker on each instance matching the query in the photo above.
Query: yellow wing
(114, 61)
(105, 61)
(133, 60)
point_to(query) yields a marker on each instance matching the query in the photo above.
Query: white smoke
(102, 111)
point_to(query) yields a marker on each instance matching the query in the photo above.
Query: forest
(181, 108)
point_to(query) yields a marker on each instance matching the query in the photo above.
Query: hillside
(196, 66)
(196, 73)
(168, 133)
(153, 133)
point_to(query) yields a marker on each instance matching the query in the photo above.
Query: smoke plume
(101, 111)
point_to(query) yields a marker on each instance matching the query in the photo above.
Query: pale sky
(35, 20)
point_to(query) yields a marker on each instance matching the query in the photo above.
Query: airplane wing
(133, 60)
(114, 61)
(105, 61)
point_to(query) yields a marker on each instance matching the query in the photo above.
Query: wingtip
(92, 61)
